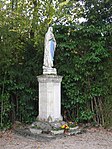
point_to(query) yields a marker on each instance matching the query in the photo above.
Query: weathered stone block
(49, 98)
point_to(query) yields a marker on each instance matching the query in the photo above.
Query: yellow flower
(65, 126)
(62, 126)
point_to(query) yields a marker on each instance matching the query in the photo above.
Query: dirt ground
(94, 138)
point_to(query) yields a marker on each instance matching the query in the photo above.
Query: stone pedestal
(49, 98)
(49, 71)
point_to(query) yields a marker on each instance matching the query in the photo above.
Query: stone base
(49, 98)
(47, 127)
(52, 128)
(47, 70)
(46, 131)
(49, 119)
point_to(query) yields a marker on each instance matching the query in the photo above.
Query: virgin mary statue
(50, 45)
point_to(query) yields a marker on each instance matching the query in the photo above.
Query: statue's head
(50, 29)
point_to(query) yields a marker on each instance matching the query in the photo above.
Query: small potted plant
(65, 127)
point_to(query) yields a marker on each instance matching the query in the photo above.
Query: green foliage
(86, 116)
(86, 51)
(5, 109)
(18, 69)
(86, 54)
(107, 108)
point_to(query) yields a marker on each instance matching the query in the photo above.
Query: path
(92, 139)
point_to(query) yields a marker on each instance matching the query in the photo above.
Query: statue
(50, 45)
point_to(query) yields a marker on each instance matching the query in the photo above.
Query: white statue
(50, 45)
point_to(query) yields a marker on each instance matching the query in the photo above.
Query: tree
(86, 49)
(99, 16)
(22, 28)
